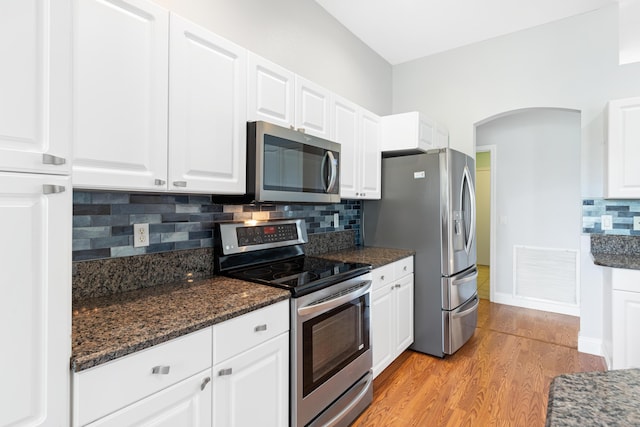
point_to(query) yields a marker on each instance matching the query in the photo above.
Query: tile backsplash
(103, 221)
(621, 211)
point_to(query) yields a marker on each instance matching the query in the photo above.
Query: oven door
(330, 347)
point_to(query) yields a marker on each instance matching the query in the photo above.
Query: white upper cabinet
(271, 92)
(623, 149)
(371, 162)
(412, 132)
(120, 94)
(207, 111)
(277, 95)
(35, 260)
(35, 86)
(358, 133)
(312, 108)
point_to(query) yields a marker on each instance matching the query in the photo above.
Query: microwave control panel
(272, 233)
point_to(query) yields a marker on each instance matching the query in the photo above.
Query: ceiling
(403, 30)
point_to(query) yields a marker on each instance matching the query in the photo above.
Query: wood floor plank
(500, 377)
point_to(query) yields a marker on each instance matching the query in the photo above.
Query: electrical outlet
(336, 220)
(636, 223)
(606, 222)
(140, 235)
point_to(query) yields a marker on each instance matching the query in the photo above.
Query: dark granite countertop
(377, 257)
(108, 327)
(616, 251)
(595, 399)
(113, 326)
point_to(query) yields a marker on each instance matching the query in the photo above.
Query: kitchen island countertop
(595, 399)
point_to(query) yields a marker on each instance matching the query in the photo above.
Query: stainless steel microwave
(286, 165)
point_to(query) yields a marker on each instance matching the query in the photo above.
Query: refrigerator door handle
(467, 311)
(465, 279)
(466, 180)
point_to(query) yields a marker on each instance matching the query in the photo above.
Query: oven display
(261, 234)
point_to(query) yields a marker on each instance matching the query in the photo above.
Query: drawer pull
(161, 370)
(398, 285)
(260, 328)
(405, 268)
(382, 277)
(205, 382)
(223, 372)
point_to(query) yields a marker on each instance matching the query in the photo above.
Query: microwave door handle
(334, 171)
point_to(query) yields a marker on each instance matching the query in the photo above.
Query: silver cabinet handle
(223, 372)
(382, 277)
(52, 189)
(398, 286)
(260, 328)
(363, 194)
(179, 183)
(161, 370)
(49, 159)
(405, 268)
(303, 130)
(205, 382)
(159, 182)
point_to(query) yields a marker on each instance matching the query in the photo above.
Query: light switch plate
(607, 222)
(636, 223)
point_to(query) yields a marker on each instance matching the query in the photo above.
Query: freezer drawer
(459, 324)
(459, 288)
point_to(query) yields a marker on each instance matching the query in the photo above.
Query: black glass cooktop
(303, 274)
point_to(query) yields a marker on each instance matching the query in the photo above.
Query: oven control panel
(261, 234)
(237, 237)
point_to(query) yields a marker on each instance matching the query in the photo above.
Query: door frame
(493, 154)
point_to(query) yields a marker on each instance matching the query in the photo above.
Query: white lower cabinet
(174, 384)
(185, 404)
(391, 312)
(626, 318)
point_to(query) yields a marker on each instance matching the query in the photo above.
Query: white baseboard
(590, 345)
(508, 299)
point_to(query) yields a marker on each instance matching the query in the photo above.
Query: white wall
(302, 37)
(571, 63)
(537, 184)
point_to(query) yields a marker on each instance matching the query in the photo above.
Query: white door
(382, 328)
(371, 166)
(623, 151)
(252, 389)
(120, 94)
(207, 111)
(312, 108)
(626, 318)
(271, 92)
(345, 132)
(35, 260)
(403, 313)
(185, 404)
(35, 86)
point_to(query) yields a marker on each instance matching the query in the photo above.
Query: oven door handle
(325, 304)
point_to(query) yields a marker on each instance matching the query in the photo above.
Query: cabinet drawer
(403, 267)
(382, 276)
(106, 388)
(241, 333)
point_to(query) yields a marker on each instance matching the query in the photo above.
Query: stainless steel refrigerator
(428, 205)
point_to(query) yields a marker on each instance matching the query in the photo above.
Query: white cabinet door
(371, 162)
(35, 86)
(382, 328)
(207, 111)
(120, 94)
(186, 404)
(313, 108)
(345, 132)
(252, 388)
(625, 337)
(623, 149)
(404, 313)
(35, 260)
(271, 90)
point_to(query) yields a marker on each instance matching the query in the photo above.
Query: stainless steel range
(330, 353)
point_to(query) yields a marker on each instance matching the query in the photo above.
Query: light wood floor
(500, 377)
